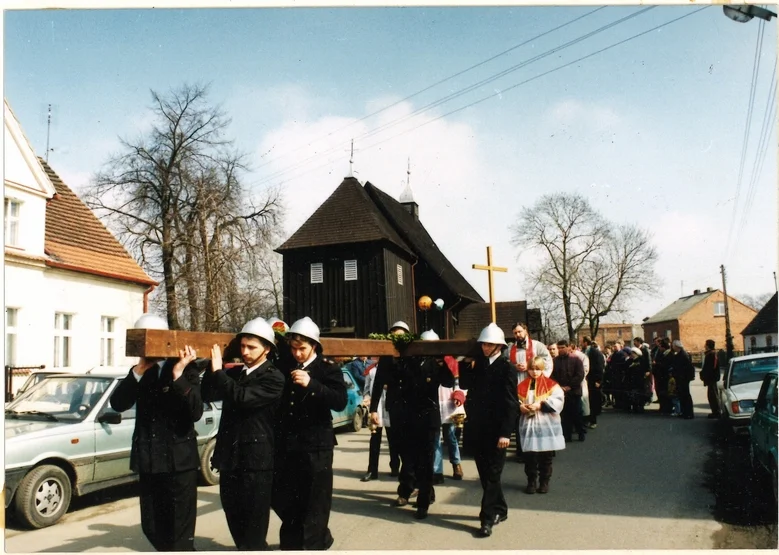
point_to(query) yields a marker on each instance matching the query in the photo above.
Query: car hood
(746, 391)
(15, 428)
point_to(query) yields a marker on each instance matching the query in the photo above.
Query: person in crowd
(448, 429)
(683, 371)
(383, 423)
(646, 367)
(662, 377)
(569, 373)
(250, 396)
(167, 399)
(594, 380)
(617, 369)
(585, 386)
(492, 408)
(395, 376)
(303, 476)
(710, 375)
(635, 379)
(541, 400)
(521, 354)
(553, 352)
(356, 369)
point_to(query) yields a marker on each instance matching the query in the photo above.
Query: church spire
(407, 196)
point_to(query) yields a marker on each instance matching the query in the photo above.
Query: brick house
(760, 334)
(609, 333)
(699, 317)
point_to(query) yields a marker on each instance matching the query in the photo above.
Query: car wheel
(209, 475)
(43, 496)
(356, 424)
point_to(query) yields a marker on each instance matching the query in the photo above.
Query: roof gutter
(111, 275)
(146, 298)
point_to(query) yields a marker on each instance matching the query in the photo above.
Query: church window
(350, 270)
(317, 273)
(400, 274)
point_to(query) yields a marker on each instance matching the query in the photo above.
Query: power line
(456, 94)
(513, 86)
(444, 80)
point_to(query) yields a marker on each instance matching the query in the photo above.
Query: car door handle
(209, 420)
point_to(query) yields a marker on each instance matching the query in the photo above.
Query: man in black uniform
(492, 407)
(164, 449)
(244, 444)
(303, 476)
(569, 373)
(395, 376)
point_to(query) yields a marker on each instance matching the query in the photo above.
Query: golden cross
(490, 268)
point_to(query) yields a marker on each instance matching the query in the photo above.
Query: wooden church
(362, 261)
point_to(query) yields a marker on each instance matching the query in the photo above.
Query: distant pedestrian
(383, 423)
(569, 373)
(595, 381)
(683, 372)
(710, 375)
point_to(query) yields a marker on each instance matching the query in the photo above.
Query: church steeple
(407, 196)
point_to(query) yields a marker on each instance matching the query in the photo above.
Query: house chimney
(696, 292)
(709, 289)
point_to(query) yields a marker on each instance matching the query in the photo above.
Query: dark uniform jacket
(597, 366)
(569, 371)
(681, 367)
(491, 405)
(428, 375)
(245, 438)
(710, 370)
(304, 420)
(396, 377)
(164, 439)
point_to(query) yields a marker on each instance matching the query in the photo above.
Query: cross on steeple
(490, 269)
(351, 160)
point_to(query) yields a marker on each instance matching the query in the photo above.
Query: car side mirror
(110, 418)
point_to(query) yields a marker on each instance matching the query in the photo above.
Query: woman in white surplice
(541, 400)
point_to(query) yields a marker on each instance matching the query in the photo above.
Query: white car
(740, 386)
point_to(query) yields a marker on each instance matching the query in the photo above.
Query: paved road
(637, 482)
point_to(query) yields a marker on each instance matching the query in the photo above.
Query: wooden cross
(490, 269)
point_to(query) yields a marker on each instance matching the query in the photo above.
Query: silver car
(740, 386)
(62, 438)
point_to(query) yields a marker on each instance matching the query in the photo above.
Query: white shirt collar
(253, 368)
(309, 361)
(494, 357)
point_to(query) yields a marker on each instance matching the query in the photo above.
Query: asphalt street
(637, 482)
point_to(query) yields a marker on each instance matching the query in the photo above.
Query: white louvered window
(400, 274)
(317, 273)
(350, 270)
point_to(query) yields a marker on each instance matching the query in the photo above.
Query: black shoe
(370, 476)
(394, 472)
(486, 530)
(497, 519)
(438, 479)
(689, 417)
(568, 439)
(421, 513)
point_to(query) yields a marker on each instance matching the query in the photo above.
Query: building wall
(668, 329)
(763, 342)
(700, 323)
(399, 298)
(609, 333)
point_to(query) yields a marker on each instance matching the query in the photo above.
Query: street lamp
(746, 12)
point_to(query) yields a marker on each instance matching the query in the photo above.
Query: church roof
(77, 240)
(348, 216)
(415, 234)
(474, 317)
(766, 319)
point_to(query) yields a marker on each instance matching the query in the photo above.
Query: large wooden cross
(490, 269)
(166, 344)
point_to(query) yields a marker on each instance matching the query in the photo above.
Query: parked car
(62, 438)
(739, 388)
(354, 414)
(763, 430)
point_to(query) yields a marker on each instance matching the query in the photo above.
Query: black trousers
(596, 402)
(538, 462)
(375, 449)
(685, 397)
(571, 416)
(168, 509)
(245, 497)
(489, 463)
(403, 430)
(302, 498)
(424, 458)
(713, 396)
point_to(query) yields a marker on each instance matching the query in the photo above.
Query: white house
(71, 289)
(761, 334)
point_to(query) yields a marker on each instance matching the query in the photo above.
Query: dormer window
(12, 210)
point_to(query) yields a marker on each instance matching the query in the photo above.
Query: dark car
(763, 430)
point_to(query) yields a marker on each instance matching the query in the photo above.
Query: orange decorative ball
(425, 302)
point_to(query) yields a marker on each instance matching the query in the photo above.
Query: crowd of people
(274, 446)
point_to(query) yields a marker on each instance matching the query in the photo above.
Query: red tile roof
(77, 240)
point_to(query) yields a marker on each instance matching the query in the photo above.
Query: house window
(769, 340)
(719, 308)
(668, 334)
(350, 270)
(317, 273)
(11, 319)
(619, 333)
(400, 274)
(753, 342)
(63, 330)
(12, 209)
(654, 335)
(107, 340)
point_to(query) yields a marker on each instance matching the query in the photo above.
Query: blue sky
(650, 130)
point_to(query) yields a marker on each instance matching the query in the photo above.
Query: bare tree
(569, 232)
(755, 301)
(176, 198)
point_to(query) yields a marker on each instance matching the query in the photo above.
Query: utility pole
(775, 287)
(728, 337)
(48, 133)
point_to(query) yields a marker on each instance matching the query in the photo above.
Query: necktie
(299, 366)
(242, 375)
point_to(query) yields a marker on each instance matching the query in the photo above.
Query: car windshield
(61, 398)
(752, 370)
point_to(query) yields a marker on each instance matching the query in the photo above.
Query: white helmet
(150, 322)
(259, 328)
(429, 335)
(402, 325)
(307, 328)
(492, 334)
(278, 325)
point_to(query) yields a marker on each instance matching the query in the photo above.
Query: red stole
(544, 387)
(529, 354)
